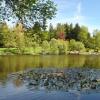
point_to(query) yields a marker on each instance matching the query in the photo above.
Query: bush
(63, 46)
(45, 47)
(72, 45)
(54, 46)
(76, 46)
(80, 46)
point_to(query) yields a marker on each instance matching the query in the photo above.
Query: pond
(50, 77)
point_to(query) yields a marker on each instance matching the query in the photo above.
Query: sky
(84, 12)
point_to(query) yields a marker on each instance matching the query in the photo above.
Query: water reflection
(67, 73)
(10, 64)
(68, 80)
(18, 83)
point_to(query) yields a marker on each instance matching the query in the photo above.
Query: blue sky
(84, 12)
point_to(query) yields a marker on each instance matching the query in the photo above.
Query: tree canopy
(28, 11)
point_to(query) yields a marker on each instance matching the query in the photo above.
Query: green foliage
(44, 36)
(72, 32)
(30, 34)
(54, 46)
(91, 43)
(52, 32)
(28, 11)
(72, 45)
(28, 41)
(1, 40)
(83, 35)
(63, 46)
(80, 46)
(76, 46)
(9, 39)
(36, 28)
(37, 41)
(97, 39)
(67, 31)
(76, 32)
(47, 10)
(45, 47)
(60, 31)
(19, 37)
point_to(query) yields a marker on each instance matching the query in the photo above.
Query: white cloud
(76, 15)
(79, 7)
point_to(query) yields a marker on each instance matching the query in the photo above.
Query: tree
(72, 32)
(9, 40)
(60, 31)
(52, 33)
(19, 38)
(7, 37)
(45, 47)
(28, 12)
(84, 35)
(76, 46)
(69, 31)
(28, 41)
(44, 36)
(62, 46)
(97, 39)
(2, 34)
(76, 32)
(72, 45)
(4, 27)
(15, 8)
(91, 43)
(80, 46)
(47, 10)
(51, 28)
(36, 28)
(36, 32)
(54, 46)
(1, 40)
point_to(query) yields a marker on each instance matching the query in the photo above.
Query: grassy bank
(40, 51)
(17, 51)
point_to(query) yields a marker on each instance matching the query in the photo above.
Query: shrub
(76, 46)
(63, 46)
(54, 46)
(45, 47)
(72, 45)
(80, 46)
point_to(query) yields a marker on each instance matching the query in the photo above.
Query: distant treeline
(62, 39)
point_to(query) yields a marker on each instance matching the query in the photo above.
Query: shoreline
(37, 54)
(16, 51)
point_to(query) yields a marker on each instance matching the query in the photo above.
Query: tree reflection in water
(69, 80)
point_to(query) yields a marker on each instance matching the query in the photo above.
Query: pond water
(50, 77)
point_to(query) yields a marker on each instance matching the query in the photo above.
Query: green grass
(8, 51)
(30, 51)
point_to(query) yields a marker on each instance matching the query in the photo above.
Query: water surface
(56, 77)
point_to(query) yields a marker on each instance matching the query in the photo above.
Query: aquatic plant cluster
(81, 80)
